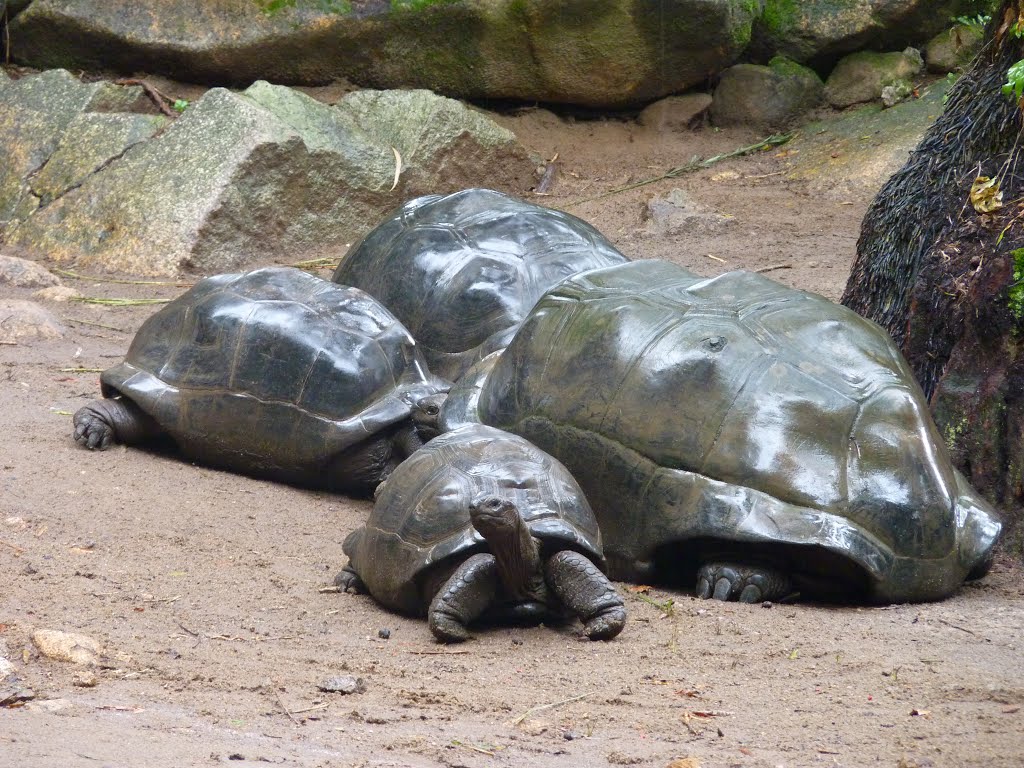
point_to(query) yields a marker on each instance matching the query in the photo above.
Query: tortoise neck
(518, 559)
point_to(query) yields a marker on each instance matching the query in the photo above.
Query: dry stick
(542, 707)
(696, 164)
(311, 709)
(161, 100)
(548, 179)
(280, 702)
(97, 325)
(773, 267)
(955, 626)
(123, 281)
(475, 748)
(119, 302)
(15, 547)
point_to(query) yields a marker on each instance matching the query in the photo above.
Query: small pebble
(767, 604)
(384, 634)
(343, 684)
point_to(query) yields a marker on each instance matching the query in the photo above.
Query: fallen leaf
(920, 713)
(690, 694)
(745, 751)
(985, 195)
(684, 762)
(640, 588)
(1010, 710)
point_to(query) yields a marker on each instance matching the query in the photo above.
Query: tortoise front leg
(745, 583)
(102, 423)
(466, 595)
(585, 591)
(349, 581)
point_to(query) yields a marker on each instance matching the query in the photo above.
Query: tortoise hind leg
(102, 423)
(745, 583)
(466, 595)
(585, 591)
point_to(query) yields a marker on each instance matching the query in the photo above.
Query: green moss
(953, 432)
(415, 5)
(780, 16)
(787, 67)
(1016, 290)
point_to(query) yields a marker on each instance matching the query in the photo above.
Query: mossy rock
(767, 97)
(599, 53)
(860, 77)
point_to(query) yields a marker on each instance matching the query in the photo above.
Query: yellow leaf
(986, 195)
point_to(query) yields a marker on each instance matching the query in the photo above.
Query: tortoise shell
(737, 414)
(272, 372)
(420, 519)
(462, 271)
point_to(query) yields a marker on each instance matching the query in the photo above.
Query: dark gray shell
(736, 412)
(462, 271)
(420, 519)
(272, 372)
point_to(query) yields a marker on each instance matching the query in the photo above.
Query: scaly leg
(586, 592)
(102, 423)
(466, 595)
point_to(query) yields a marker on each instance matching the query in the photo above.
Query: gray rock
(37, 111)
(26, 320)
(23, 273)
(821, 32)
(952, 50)
(58, 293)
(443, 143)
(91, 141)
(766, 97)
(268, 174)
(675, 113)
(894, 93)
(344, 684)
(861, 76)
(679, 214)
(598, 53)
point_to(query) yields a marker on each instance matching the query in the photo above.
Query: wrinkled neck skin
(518, 558)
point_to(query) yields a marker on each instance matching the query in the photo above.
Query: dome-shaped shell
(273, 369)
(420, 519)
(462, 271)
(737, 409)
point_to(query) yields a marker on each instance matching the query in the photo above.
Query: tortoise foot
(744, 583)
(463, 598)
(93, 427)
(348, 581)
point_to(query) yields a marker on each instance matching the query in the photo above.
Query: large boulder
(820, 33)
(952, 49)
(37, 111)
(766, 97)
(862, 76)
(267, 174)
(592, 52)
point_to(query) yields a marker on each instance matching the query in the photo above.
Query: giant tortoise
(274, 373)
(733, 431)
(462, 270)
(482, 524)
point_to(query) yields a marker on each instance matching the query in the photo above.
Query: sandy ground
(203, 586)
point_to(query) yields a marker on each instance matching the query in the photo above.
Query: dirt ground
(203, 586)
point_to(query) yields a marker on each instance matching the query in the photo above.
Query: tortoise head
(513, 546)
(495, 517)
(426, 415)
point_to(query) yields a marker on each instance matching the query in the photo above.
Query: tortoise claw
(743, 583)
